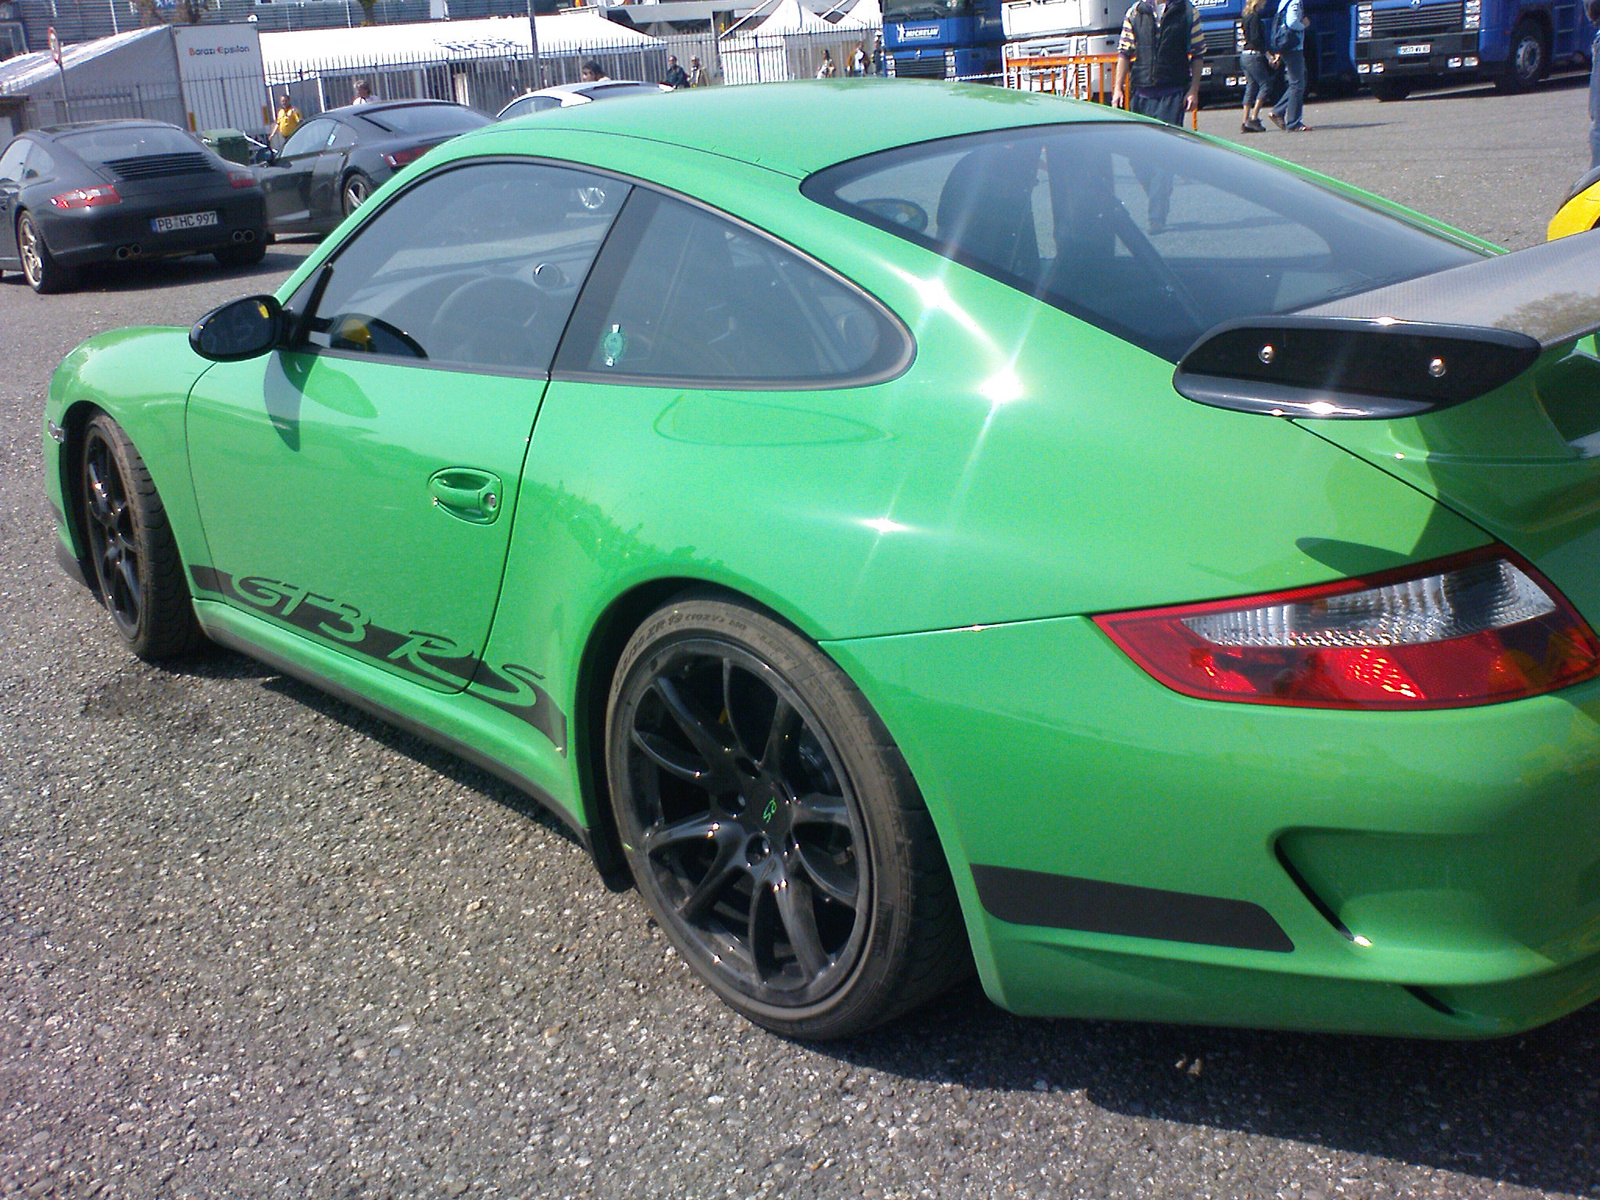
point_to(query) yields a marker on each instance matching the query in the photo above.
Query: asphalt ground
(254, 943)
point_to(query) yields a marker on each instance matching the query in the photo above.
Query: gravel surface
(253, 943)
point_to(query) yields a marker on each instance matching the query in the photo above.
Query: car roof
(378, 106)
(798, 128)
(127, 123)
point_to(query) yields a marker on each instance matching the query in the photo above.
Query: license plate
(182, 221)
(1419, 48)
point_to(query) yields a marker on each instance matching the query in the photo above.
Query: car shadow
(1518, 1111)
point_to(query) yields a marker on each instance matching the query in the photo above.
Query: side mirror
(240, 329)
(263, 156)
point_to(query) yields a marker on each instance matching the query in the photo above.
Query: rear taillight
(241, 179)
(1477, 628)
(87, 197)
(401, 157)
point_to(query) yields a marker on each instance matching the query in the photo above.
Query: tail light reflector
(1476, 628)
(400, 158)
(87, 197)
(241, 179)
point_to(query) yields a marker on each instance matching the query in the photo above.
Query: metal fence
(485, 80)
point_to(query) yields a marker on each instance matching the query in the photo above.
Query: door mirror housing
(240, 329)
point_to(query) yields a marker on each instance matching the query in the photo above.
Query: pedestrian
(363, 93)
(827, 70)
(858, 60)
(880, 61)
(1288, 40)
(593, 72)
(676, 76)
(287, 122)
(1259, 63)
(1161, 52)
(1593, 9)
(697, 73)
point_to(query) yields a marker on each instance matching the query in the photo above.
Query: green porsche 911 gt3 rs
(894, 550)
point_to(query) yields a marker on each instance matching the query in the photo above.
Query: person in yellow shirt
(288, 120)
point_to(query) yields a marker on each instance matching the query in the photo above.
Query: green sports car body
(793, 488)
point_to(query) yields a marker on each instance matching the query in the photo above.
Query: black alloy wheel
(135, 561)
(771, 826)
(1529, 60)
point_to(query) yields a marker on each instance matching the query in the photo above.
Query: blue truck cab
(943, 39)
(1401, 44)
(1329, 69)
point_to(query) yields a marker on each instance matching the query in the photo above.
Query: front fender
(141, 377)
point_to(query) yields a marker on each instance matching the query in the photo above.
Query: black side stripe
(511, 688)
(1094, 906)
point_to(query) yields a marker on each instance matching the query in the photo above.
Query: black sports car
(332, 163)
(101, 191)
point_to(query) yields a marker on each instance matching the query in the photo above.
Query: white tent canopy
(26, 71)
(443, 41)
(790, 17)
(867, 12)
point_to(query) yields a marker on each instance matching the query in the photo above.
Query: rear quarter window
(1148, 232)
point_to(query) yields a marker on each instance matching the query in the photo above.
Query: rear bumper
(1123, 851)
(89, 235)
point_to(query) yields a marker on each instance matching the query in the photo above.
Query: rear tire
(39, 267)
(136, 567)
(772, 826)
(1529, 61)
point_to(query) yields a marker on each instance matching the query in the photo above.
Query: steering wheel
(487, 320)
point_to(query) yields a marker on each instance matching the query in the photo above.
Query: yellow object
(288, 122)
(1580, 213)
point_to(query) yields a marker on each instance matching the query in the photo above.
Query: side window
(343, 138)
(40, 164)
(11, 160)
(684, 295)
(475, 267)
(310, 137)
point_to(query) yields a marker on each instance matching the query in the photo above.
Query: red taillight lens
(401, 157)
(87, 197)
(241, 179)
(1474, 629)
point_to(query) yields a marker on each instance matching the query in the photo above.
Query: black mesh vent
(1410, 22)
(156, 166)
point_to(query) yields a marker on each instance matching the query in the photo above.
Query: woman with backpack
(1288, 39)
(1260, 64)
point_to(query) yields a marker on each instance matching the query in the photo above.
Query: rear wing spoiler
(1407, 348)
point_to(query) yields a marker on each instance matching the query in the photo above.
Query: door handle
(467, 494)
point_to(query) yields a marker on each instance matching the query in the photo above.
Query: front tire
(136, 566)
(772, 826)
(1529, 61)
(39, 267)
(358, 188)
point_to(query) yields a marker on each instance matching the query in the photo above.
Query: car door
(10, 186)
(286, 180)
(325, 197)
(359, 488)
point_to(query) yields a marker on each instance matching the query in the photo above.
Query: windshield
(128, 141)
(1146, 231)
(928, 10)
(426, 119)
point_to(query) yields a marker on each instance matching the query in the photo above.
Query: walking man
(1163, 50)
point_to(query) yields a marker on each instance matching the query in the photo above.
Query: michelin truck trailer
(1401, 44)
(943, 39)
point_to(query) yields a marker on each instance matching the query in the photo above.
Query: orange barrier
(1080, 76)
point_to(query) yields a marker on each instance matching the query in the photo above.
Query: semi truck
(1400, 44)
(943, 39)
(1329, 69)
(1045, 28)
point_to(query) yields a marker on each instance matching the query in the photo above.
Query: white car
(565, 95)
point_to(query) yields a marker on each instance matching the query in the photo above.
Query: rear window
(1142, 230)
(425, 119)
(135, 141)
(611, 91)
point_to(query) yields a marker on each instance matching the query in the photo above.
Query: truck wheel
(1530, 58)
(1387, 90)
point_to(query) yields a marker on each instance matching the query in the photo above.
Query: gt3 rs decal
(431, 656)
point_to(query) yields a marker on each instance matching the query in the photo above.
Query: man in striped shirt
(1163, 50)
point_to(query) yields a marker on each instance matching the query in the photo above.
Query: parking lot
(254, 943)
